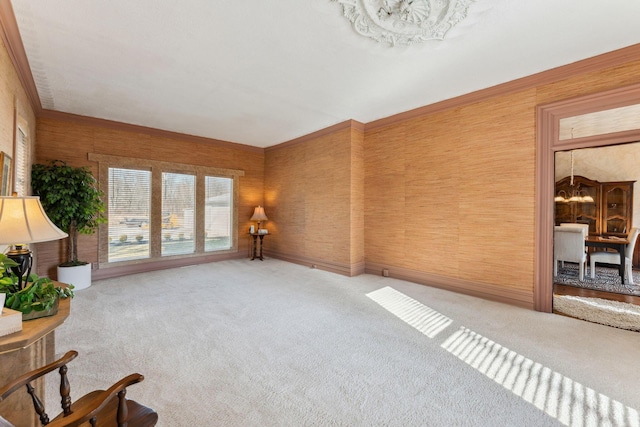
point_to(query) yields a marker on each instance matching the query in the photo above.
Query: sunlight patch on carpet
(424, 319)
(560, 397)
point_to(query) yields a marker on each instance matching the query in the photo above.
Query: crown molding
(595, 63)
(13, 43)
(347, 124)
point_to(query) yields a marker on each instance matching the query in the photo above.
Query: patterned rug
(607, 280)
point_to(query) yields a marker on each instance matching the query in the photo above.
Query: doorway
(551, 138)
(610, 169)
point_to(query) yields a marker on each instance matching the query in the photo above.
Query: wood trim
(348, 124)
(156, 168)
(595, 63)
(164, 166)
(334, 267)
(521, 298)
(13, 42)
(547, 143)
(112, 270)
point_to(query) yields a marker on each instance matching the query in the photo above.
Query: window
(178, 213)
(129, 210)
(21, 163)
(159, 210)
(217, 217)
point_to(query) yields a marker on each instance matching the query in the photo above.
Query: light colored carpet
(241, 343)
(613, 313)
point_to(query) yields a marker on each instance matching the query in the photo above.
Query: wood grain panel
(591, 82)
(432, 193)
(384, 201)
(466, 183)
(497, 203)
(357, 201)
(14, 105)
(311, 199)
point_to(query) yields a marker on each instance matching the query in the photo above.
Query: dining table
(611, 242)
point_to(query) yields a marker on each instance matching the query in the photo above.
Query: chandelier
(404, 21)
(575, 194)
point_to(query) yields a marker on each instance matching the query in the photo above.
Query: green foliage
(38, 294)
(71, 199)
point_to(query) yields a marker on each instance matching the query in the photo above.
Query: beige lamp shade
(23, 220)
(259, 215)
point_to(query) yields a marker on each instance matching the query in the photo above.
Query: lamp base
(21, 256)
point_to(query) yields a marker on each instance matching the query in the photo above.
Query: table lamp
(259, 216)
(23, 221)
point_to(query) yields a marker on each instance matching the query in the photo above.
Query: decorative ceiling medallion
(404, 21)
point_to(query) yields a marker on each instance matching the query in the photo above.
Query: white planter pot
(79, 276)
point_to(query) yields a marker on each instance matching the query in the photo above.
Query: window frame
(157, 168)
(21, 156)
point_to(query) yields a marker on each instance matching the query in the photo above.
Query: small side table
(255, 246)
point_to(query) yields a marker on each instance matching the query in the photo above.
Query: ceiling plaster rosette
(404, 21)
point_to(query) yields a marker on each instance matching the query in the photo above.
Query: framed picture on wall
(5, 174)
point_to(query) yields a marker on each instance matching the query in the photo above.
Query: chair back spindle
(37, 405)
(65, 391)
(100, 407)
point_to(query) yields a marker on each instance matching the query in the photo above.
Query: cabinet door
(588, 212)
(617, 208)
(568, 209)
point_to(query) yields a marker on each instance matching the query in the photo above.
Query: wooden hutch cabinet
(617, 207)
(606, 206)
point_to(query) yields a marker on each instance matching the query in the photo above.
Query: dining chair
(576, 224)
(602, 257)
(569, 245)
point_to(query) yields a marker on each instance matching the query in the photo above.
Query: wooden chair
(98, 408)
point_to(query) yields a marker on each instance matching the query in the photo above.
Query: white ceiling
(263, 72)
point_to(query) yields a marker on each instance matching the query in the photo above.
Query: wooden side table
(23, 351)
(255, 253)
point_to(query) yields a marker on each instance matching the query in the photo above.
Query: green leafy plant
(38, 294)
(71, 199)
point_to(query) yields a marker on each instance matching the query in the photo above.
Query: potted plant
(72, 200)
(37, 298)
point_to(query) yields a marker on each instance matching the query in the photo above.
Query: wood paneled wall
(72, 140)
(14, 106)
(446, 193)
(314, 200)
(451, 193)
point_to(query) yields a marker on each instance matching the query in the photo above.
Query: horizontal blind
(21, 163)
(129, 214)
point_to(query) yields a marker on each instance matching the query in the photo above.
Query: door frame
(547, 143)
